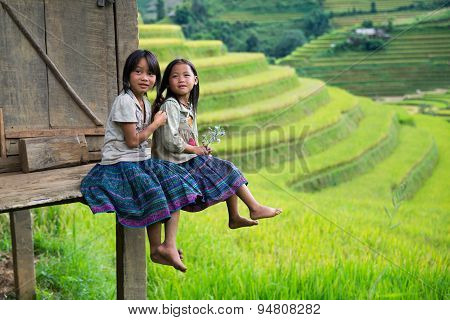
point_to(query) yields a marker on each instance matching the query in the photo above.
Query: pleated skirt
(216, 178)
(140, 193)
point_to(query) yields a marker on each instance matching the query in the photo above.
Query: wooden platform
(23, 191)
(29, 190)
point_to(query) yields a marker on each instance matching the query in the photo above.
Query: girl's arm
(171, 137)
(199, 150)
(134, 138)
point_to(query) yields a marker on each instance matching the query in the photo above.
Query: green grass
(398, 17)
(261, 17)
(346, 241)
(414, 58)
(304, 91)
(302, 254)
(288, 149)
(247, 89)
(374, 139)
(328, 115)
(167, 49)
(344, 5)
(159, 31)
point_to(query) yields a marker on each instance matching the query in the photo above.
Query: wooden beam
(20, 134)
(9, 164)
(23, 254)
(2, 136)
(52, 152)
(37, 189)
(131, 263)
(127, 38)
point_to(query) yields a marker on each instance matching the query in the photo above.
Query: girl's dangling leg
(154, 238)
(168, 249)
(235, 221)
(257, 211)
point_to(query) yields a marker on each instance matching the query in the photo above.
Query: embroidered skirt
(141, 193)
(217, 179)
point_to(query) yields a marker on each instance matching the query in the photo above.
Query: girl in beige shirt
(177, 141)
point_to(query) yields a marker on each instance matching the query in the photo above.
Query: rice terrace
(348, 132)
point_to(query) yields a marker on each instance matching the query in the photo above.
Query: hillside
(274, 28)
(415, 57)
(364, 188)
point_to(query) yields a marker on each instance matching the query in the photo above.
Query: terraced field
(415, 58)
(435, 103)
(365, 5)
(379, 19)
(364, 188)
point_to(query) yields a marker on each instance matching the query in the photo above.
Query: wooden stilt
(131, 263)
(2, 136)
(23, 255)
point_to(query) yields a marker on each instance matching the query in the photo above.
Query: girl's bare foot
(263, 212)
(164, 256)
(241, 222)
(169, 256)
(156, 257)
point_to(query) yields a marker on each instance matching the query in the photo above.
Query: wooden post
(131, 264)
(23, 255)
(2, 136)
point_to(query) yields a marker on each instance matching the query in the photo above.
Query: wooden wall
(88, 45)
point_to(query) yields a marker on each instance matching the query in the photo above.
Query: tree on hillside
(160, 10)
(252, 43)
(317, 23)
(182, 15)
(373, 7)
(367, 24)
(199, 10)
(289, 40)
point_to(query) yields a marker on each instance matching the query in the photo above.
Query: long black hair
(160, 98)
(132, 62)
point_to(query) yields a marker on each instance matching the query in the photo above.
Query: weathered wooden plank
(111, 60)
(52, 152)
(28, 190)
(80, 34)
(131, 263)
(17, 134)
(9, 164)
(3, 152)
(51, 66)
(95, 156)
(23, 74)
(12, 147)
(23, 254)
(95, 143)
(126, 32)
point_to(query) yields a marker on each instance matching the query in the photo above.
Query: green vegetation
(249, 25)
(376, 226)
(435, 103)
(366, 6)
(414, 57)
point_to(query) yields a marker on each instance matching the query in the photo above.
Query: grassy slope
(334, 244)
(303, 254)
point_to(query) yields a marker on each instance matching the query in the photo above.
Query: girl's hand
(201, 151)
(160, 118)
(208, 149)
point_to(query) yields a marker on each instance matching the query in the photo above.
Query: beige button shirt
(125, 109)
(170, 140)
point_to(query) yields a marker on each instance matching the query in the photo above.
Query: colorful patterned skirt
(217, 179)
(141, 193)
